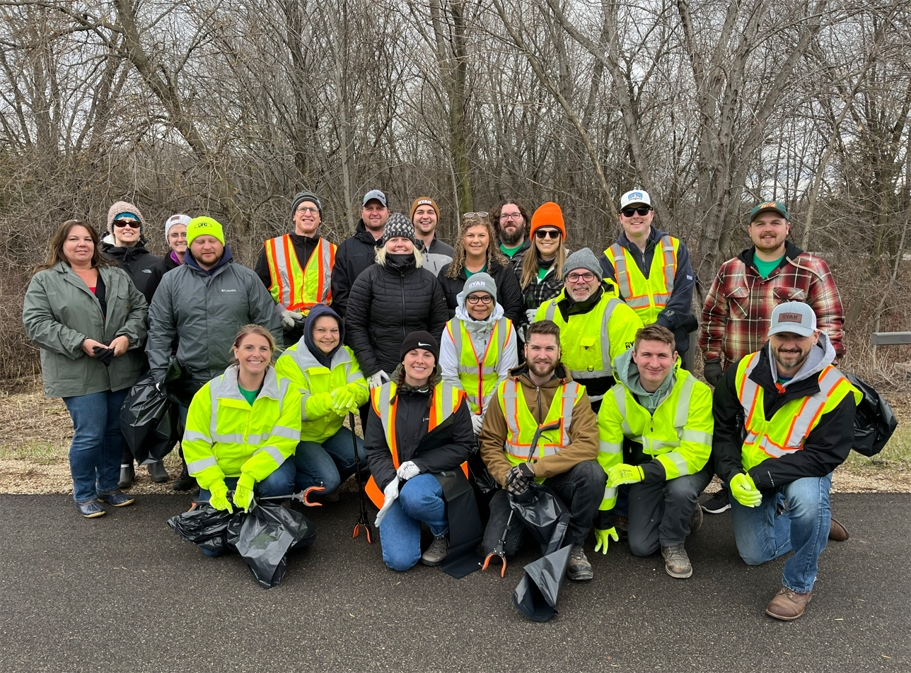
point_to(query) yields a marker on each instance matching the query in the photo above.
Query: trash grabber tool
(362, 521)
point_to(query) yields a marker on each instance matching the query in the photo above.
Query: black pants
(581, 489)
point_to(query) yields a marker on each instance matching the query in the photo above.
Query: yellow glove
(744, 490)
(243, 492)
(601, 539)
(219, 496)
(344, 401)
(624, 474)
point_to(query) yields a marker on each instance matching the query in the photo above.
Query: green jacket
(60, 312)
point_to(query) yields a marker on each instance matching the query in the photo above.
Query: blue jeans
(420, 499)
(97, 442)
(328, 464)
(764, 533)
(279, 483)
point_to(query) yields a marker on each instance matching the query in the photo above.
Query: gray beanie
(582, 259)
(479, 282)
(300, 197)
(398, 225)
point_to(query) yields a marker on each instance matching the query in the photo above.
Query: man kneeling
(540, 393)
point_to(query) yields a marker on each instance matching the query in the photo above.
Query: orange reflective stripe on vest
(296, 288)
(646, 296)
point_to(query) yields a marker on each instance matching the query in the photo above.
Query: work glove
(378, 379)
(712, 372)
(390, 494)
(344, 401)
(219, 497)
(318, 405)
(601, 539)
(530, 315)
(476, 422)
(519, 478)
(744, 490)
(408, 470)
(243, 492)
(106, 355)
(624, 474)
(291, 318)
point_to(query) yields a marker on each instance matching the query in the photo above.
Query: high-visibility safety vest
(478, 375)
(295, 288)
(310, 377)
(790, 426)
(521, 423)
(586, 348)
(226, 436)
(646, 296)
(445, 402)
(678, 435)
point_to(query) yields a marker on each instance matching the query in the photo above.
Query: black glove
(712, 372)
(518, 479)
(106, 355)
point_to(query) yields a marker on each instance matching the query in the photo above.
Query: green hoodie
(627, 373)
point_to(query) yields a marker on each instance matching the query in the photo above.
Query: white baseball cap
(634, 197)
(794, 317)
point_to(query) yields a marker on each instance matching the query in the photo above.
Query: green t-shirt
(469, 274)
(510, 252)
(249, 395)
(765, 268)
(543, 271)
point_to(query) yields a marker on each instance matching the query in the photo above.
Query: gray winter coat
(60, 312)
(206, 311)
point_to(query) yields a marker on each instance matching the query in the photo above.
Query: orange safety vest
(444, 403)
(296, 288)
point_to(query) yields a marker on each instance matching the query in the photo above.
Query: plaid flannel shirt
(738, 308)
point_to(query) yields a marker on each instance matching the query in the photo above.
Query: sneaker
(126, 476)
(676, 562)
(621, 525)
(788, 605)
(718, 503)
(158, 473)
(696, 520)
(116, 499)
(436, 552)
(579, 569)
(90, 509)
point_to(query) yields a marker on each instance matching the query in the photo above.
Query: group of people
(508, 351)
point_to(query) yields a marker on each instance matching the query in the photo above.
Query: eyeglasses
(126, 223)
(479, 299)
(510, 216)
(576, 277)
(307, 209)
(641, 212)
(547, 233)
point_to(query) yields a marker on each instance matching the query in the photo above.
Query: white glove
(408, 470)
(476, 422)
(291, 318)
(530, 315)
(390, 495)
(378, 379)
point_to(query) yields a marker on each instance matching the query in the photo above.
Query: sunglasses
(547, 233)
(641, 212)
(470, 216)
(126, 223)
(479, 299)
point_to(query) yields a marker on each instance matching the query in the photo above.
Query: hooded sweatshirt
(627, 372)
(316, 312)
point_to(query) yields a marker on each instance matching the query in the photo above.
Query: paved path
(123, 593)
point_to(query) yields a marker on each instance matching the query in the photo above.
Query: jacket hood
(316, 312)
(820, 357)
(361, 234)
(479, 327)
(627, 372)
(654, 235)
(226, 258)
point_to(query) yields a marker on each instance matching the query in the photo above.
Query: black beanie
(423, 340)
(300, 197)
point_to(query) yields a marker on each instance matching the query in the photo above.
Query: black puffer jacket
(353, 257)
(509, 294)
(385, 305)
(137, 262)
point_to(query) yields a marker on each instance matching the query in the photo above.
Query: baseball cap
(375, 194)
(635, 196)
(775, 206)
(794, 317)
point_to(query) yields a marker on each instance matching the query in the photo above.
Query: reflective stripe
(198, 466)
(517, 444)
(610, 493)
(478, 375)
(610, 448)
(292, 286)
(287, 433)
(677, 459)
(696, 436)
(645, 295)
(193, 435)
(228, 439)
(683, 404)
(273, 452)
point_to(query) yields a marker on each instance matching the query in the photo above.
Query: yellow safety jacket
(444, 403)
(313, 379)
(646, 296)
(589, 342)
(478, 375)
(226, 436)
(678, 435)
(789, 427)
(522, 424)
(295, 288)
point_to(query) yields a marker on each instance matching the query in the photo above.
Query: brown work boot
(788, 605)
(837, 532)
(676, 562)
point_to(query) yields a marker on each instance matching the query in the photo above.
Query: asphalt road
(123, 593)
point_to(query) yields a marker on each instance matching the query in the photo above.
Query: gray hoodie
(627, 373)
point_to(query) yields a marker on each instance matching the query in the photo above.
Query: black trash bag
(874, 422)
(149, 422)
(204, 526)
(543, 514)
(265, 535)
(536, 595)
